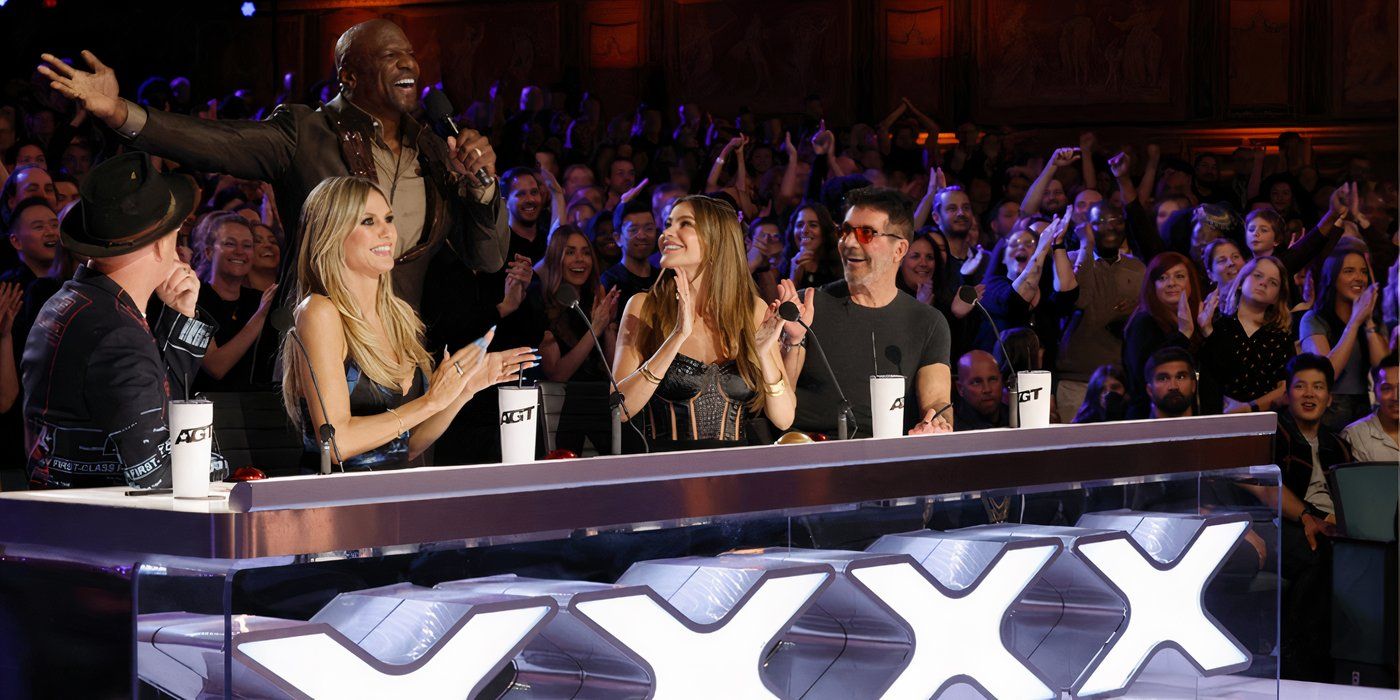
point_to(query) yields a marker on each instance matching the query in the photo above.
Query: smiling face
(1262, 285)
(1388, 394)
(380, 73)
(231, 251)
(875, 263)
(1082, 202)
(1054, 201)
(1171, 285)
(1260, 236)
(267, 253)
(1225, 263)
(1308, 396)
(369, 248)
(807, 230)
(1106, 221)
(681, 243)
(637, 238)
(1353, 278)
(524, 201)
(1281, 197)
(1020, 246)
(578, 260)
(919, 263)
(36, 235)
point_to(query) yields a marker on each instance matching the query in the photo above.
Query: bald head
(378, 73)
(979, 382)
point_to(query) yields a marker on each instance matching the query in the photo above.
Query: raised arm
(789, 192)
(638, 375)
(1358, 324)
(250, 150)
(11, 296)
(931, 128)
(1149, 174)
(936, 181)
(712, 183)
(1062, 157)
(1086, 149)
(882, 131)
(1027, 284)
(780, 402)
(557, 205)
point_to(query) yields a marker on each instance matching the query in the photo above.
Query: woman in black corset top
(697, 355)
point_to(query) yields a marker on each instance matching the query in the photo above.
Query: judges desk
(1134, 558)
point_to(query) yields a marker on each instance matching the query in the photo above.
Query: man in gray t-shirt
(867, 326)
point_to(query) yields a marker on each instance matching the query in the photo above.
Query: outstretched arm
(1030, 205)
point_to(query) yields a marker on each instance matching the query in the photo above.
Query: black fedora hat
(124, 204)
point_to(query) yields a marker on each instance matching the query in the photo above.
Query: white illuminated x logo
(957, 634)
(318, 661)
(1164, 605)
(722, 659)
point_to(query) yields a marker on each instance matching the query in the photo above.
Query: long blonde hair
(329, 215)
(729, 304)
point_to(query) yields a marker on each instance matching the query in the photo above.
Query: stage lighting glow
(248, 9)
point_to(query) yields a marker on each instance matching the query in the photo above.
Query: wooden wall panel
(914, 39)
(1090, 60)
(1261, 56)
(1364, 40)
(615, 50)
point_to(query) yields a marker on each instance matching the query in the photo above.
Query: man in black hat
(96, 369)
(365, 131)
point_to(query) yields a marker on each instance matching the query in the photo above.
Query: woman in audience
(1166, 316)
(1222, 260)
(811, 256)
(1105, 398)
(267, 257)
(1248, 344)
(699, 351)
(1342, 327)
(1020, 292)
(569, 271)
(381, 393)
(921, 271)
(238, 311)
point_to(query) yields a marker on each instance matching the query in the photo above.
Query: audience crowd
(1151, 284)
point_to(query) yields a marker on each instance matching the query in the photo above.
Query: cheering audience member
(765, 254)
(921, 271)
(238, 311)
(634, 230)
(699, 350)
(11, 297)
(365, 131)
(96, 372)
(866, 308)
(1375, 437)
(1342, 327)
(1222, 260)
(1249, 343)
(529, 230)
(365, 344)
(1171, 383)
(1166, 316)
(267, 257)
(33, 236)
(952, 212)
(1018, 293)
(1106, 398)
(979, 404)
(810, 252)
(1110, 284)
(1047, 193)
(1304, 449)
(567, 352)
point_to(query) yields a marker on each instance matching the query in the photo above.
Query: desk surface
(308, 515)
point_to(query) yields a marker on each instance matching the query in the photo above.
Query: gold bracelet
(777, 388)
(400, 419)
(646, 374)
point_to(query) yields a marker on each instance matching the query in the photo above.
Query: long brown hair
(1278, 316)
(728, 307)
(552, 276)
(327, 219)
(1148, 303)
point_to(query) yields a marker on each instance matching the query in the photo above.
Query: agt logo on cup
(196, 434)
(518, 416)
(898, 404)
(1028, 395)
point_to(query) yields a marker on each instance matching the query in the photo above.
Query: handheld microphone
(968, 295)
(845, 421)
(439, 109)
(566, 295)
(282, 322)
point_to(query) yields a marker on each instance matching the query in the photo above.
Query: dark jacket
(96, 383)
(1293, 454)
(296, 148)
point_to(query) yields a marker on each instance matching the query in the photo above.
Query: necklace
(997, 509)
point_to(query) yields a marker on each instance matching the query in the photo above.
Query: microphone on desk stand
(283, 322)
(566, 295)
(439, 109)
(845, 421)
(968, 295)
